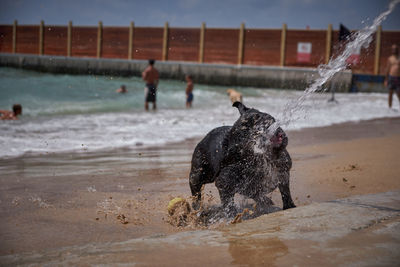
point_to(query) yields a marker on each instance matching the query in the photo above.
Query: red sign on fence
(354, 58)
(304, 52)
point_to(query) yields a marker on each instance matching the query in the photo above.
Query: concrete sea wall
(216, 74)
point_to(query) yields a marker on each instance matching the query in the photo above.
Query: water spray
(361, 38)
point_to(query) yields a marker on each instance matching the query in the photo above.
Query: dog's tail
(239, 105)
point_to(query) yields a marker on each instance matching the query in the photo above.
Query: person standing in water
(150, 76)
(392, 75)
(189, 91)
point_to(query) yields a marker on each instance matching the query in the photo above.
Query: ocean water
(82, 113)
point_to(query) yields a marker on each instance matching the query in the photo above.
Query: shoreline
(317, 134)
(41, 210)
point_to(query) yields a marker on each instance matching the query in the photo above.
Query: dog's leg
(264, 203)
(195, 183)
(227, 200)
(285, 191)
(226, 191)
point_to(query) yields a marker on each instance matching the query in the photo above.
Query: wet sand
(58, 200)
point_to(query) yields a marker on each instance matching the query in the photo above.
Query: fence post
(328, 49)
(69, 39)
(201, 45)
(377, 50)
(14, 37)
(41, 35)
(241, 44)
(165, 43)
(99, 38)
(130, 48)
(283, 44)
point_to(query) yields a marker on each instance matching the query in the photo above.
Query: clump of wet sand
(209, 215)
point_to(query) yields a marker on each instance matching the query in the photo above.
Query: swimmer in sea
(392, 75)
(11, 115)
(122, 89)
(150, 76)
(189, 91)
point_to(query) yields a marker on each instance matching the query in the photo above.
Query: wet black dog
(246, 158)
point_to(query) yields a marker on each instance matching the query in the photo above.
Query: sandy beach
(57, 200)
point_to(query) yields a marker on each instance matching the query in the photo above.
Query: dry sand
(52, 201)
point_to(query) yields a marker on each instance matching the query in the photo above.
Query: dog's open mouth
(277, 139)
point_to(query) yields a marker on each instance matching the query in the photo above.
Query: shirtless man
(11, 115)
(392, 79)
(150, 76)
(189, 91)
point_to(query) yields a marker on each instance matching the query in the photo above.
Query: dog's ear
(242, 108)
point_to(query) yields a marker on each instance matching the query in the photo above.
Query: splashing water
(361, 38)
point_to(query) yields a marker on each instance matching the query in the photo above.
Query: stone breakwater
(211, 74)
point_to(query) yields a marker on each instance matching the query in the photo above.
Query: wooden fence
(273, 47)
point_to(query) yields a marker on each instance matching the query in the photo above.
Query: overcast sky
(297, 14)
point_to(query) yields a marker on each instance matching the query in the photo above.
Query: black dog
(244, 158)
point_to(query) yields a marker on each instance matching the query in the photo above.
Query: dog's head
(279, 139)
(259, 128)
(230, 91)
